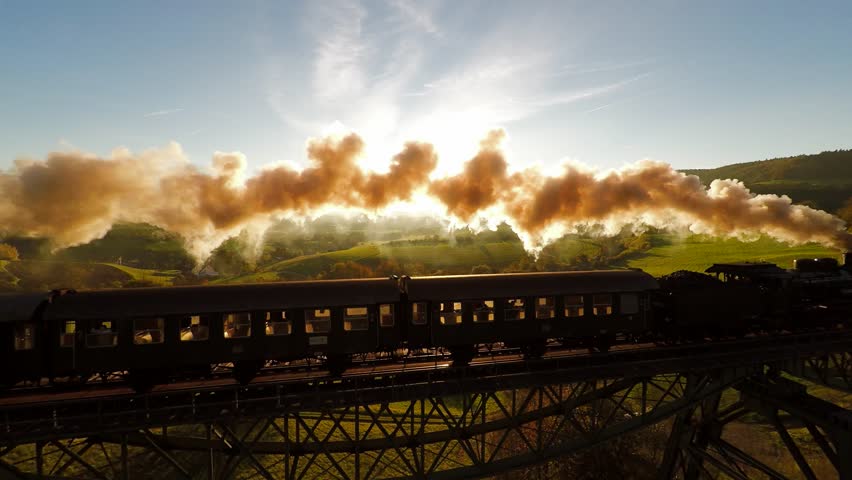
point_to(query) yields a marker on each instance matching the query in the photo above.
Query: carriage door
(70, 342)
(356, 337)
(389, 326)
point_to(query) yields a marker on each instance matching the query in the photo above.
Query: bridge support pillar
(697, 447)
(690, 435)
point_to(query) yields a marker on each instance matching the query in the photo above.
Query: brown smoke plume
(647, 192)
(74, 197)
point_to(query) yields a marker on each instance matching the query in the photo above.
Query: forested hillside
(823, 180)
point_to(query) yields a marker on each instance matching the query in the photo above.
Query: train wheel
(245, 371)
(337, 364)
(463, 355)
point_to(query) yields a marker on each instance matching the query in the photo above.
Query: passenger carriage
(153, 332)
(525, 310)
(22, 348)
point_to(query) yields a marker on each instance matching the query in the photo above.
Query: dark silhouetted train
(154, 334)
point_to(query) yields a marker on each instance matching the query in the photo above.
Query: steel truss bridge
(428, 420)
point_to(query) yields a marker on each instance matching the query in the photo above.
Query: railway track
(299, 373)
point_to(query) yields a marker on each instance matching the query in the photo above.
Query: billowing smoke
(646, 193)
(74, 197)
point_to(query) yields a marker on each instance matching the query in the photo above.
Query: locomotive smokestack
(847, 260)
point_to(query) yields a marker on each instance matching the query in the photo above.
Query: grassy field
(496, 255)
(669, 253)
(434, 257)
(31, 275)
(698, 252)
(157, 277)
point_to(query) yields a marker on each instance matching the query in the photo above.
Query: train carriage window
(386, 315)
(355, 318)
(545, 308)
(278, 324)
(147, 331)
(237, 325)
(194, 328)
(418, 314)
(483, 311)
(66, 336)
(602, 304)
(102, 334)
(574, 306)
(24, 336)
(317, 320)
(515, 310)
(629, 303)
(450, 313)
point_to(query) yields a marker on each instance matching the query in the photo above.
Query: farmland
(696, 252)
(667, 253)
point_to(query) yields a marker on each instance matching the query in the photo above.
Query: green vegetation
(29, 275)
(8, 252)
(335, 246)
(696, 252)
(825, 167)
(823, 180)
(135, 244)
(147, 277)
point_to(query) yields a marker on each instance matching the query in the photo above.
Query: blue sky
(695, 84)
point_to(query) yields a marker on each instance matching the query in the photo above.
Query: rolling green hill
(697, 252)
(138, 244)
(823, 180)
(34, 275)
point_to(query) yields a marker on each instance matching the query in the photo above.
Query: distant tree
(8, 252)
(30, 248)
(388, 267)
(229, 257)
(348, 270)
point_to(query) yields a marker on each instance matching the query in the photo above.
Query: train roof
(193, 300)
(747, 268)
(508, 285)
(20, 307)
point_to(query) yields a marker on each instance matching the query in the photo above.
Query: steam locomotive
(154, 334)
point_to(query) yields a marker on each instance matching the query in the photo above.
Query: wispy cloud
(416, 14)
(623, 100)
(340, 50)
(600, 67)
(562, 98)
(606, 105)
(160, 113)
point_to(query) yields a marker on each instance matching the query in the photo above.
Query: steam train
(154, 334)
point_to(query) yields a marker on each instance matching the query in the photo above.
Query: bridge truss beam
(698, 448)
(467, 435)
(420, 422)
(832, 369)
